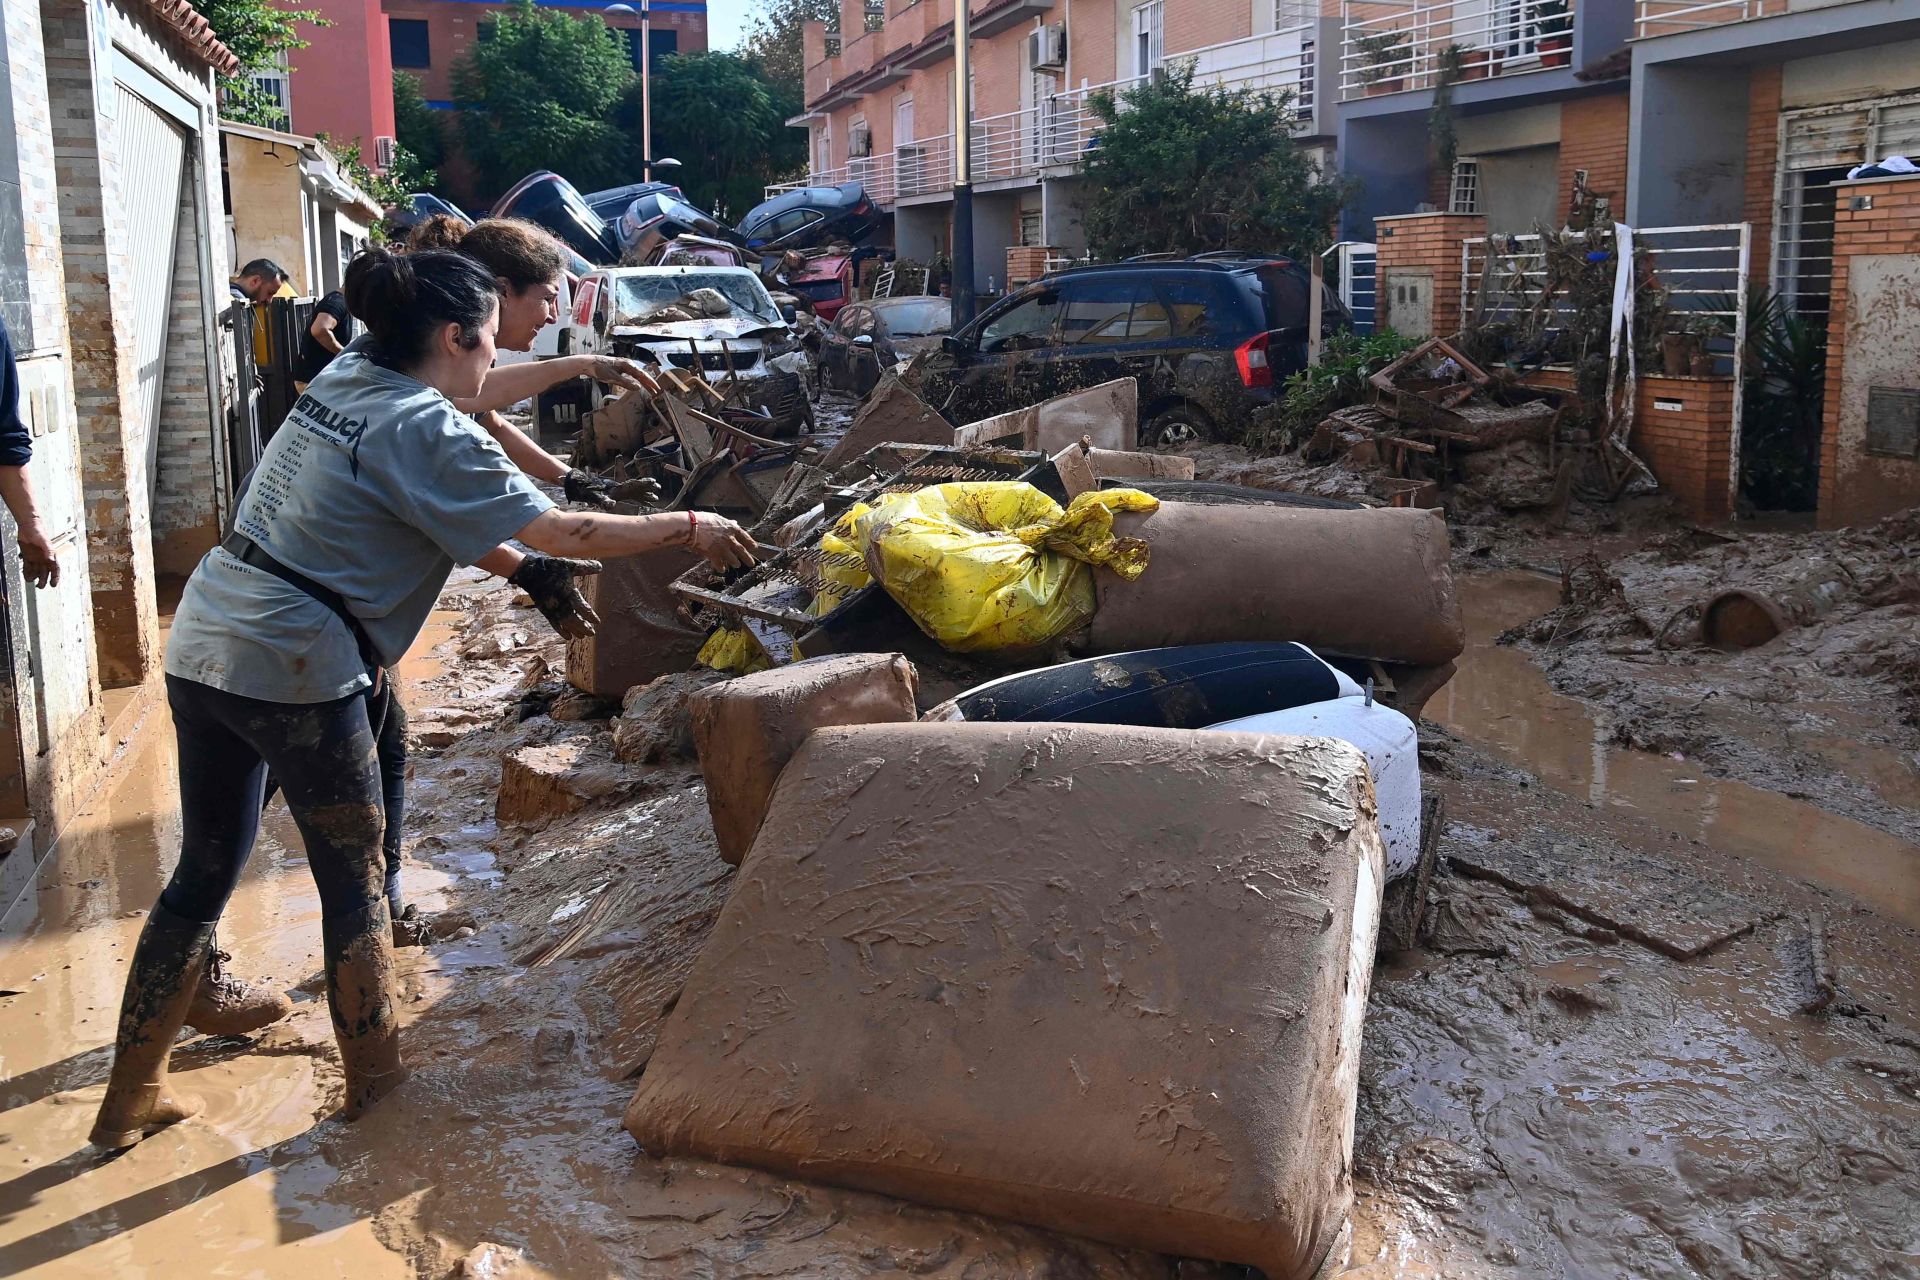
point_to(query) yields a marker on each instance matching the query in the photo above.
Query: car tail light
(1251, 357)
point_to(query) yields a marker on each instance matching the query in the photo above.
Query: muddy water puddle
(254, 1194)
(1501, 700)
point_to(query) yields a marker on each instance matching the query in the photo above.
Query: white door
(153, 154)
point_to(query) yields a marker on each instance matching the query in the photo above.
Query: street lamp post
(646, 81)
(963, 299)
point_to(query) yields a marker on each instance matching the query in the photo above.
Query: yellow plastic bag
(734, 651)
(993, 565)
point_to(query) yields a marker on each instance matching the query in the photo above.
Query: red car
(826, 283)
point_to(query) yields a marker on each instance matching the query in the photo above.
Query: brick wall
(1424, 246)
(1856, 486)
(94, 244)
(1593, 136)
(1689, 448)
(1195, 24)
(1763, 149)
(1684, 431)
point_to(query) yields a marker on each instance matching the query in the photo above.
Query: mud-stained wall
(1873, 334)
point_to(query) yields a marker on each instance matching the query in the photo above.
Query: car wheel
(1182, 424)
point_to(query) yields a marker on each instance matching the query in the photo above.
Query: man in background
(330, 331)
(262, 280)
(16, 450)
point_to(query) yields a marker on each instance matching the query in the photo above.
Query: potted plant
(1388, 57)
(1475, 64)
(1553, 25)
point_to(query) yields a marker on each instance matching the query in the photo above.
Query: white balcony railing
(1057, 133)
(1669, 17)
(1388, 46)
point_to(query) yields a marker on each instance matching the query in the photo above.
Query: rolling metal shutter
(1817, 147)
(153, 154)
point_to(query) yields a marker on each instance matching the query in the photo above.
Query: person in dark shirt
(37, 558)
(329, 333)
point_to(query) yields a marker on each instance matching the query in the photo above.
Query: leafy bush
(1185, 170)
(1346, 362)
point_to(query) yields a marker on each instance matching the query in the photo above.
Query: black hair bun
(379, 283)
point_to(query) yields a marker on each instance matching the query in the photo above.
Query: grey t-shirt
(375, 486)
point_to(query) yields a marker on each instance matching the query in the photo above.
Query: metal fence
(1388, 46)
(1704, 270)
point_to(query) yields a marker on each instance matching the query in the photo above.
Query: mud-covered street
(1547, 1088)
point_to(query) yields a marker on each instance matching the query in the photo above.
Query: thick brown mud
(1539, 1097)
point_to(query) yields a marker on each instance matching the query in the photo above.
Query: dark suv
(1208, 339)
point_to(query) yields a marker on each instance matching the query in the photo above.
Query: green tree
(540, 95)
(416, 125)
(259, 34)
(717, 113)
(1176, 168)
(775, 38)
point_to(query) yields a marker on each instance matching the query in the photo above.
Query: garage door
(153, 154)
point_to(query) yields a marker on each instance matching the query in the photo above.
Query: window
(484, 31)
(875, 16)
(1190, 305)
(1025, 326)
(407, 38)
(1030, 227)
(1464, 195)
(787, 223)
(665, 45)
(1105, 311)
(1149, 37)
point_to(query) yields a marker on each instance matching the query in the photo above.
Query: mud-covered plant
(1340, 380)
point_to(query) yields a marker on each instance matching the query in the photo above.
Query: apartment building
(341, 84)
(427, 37)
(1722, 129)
(880, 101)
(113, 274)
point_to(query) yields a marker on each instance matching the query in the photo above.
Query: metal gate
(153, 154)
(1817, 147)
(1354, 265)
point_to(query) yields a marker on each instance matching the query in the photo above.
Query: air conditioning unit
(859, 142)
(383, 153)
(1047, 47)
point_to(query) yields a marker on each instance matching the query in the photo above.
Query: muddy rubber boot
(227, 1006)
(161, 983)
(360, 994)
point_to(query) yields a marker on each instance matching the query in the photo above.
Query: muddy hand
(37, 560)
(628, 374)
(724, 544)
(551, 582)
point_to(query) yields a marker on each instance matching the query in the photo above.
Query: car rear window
(917, 319)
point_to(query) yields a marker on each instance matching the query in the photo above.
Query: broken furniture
(1108, 981)
(1106, 414)
(1429, 406)
(747, 729)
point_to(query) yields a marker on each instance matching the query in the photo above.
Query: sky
(727, 23)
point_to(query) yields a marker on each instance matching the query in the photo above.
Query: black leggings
(323, 755)
(389, 719)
